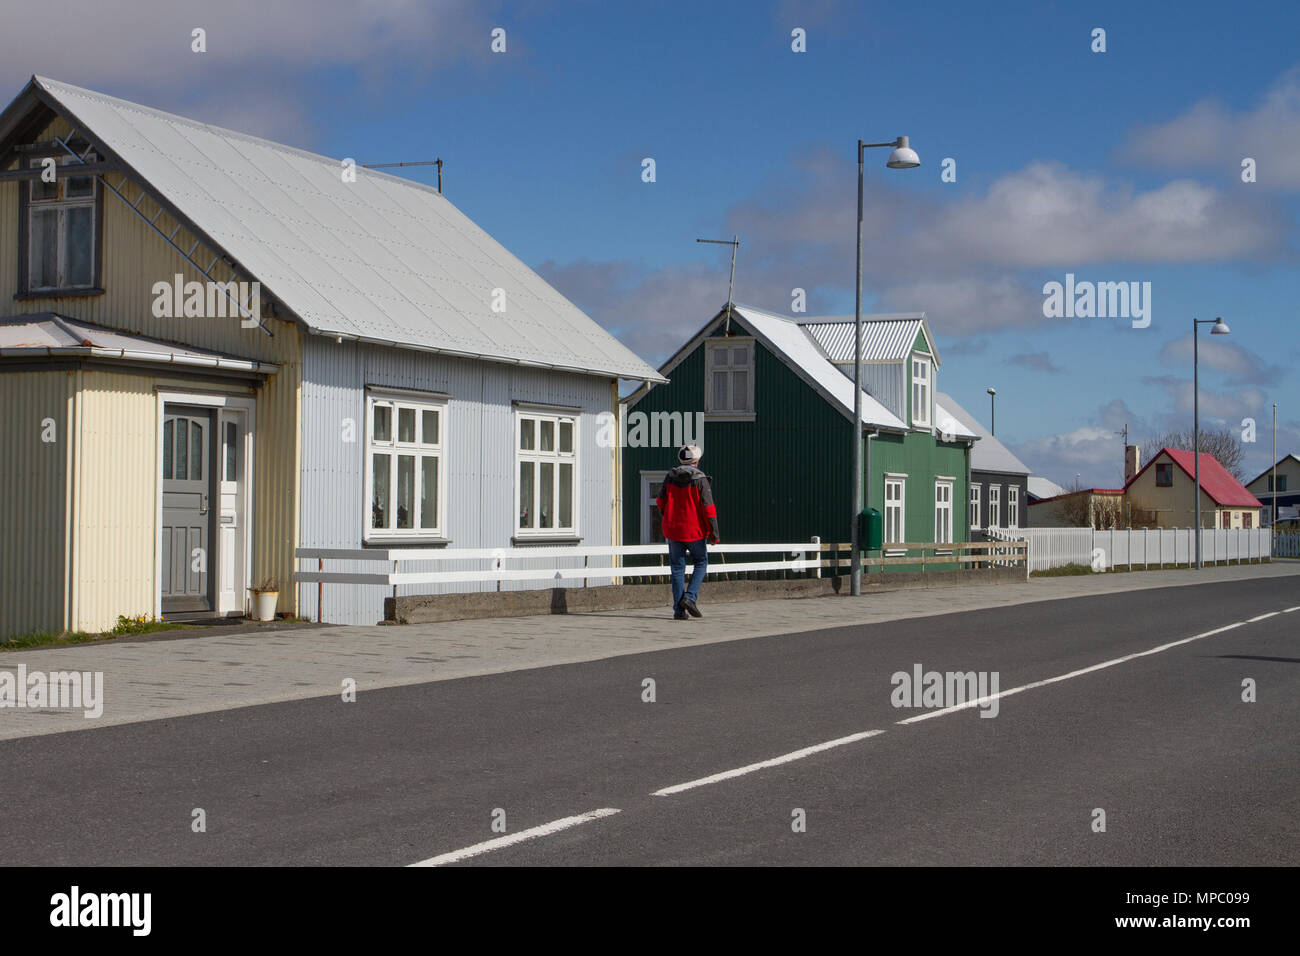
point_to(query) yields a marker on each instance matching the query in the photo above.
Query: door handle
(203, 508)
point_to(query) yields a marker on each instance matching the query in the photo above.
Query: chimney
(1130, 463)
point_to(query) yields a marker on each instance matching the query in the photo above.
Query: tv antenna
(428, 162)
(734, 242)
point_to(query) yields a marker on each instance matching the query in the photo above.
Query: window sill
(729, 416)
(525, 540)
(57, 293)
(433, 542)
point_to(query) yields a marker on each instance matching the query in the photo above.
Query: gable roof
(789, 341)
(48, 334)
(1040, 487)
(381, 259)
(1269, 470)
(1225, 490)
(989, 454)
(886, 336)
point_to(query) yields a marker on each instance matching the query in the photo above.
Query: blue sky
(1114, 166)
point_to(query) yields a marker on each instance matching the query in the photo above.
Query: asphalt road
(1186, 772)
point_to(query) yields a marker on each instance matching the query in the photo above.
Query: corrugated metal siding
(480, 459)
(33, 505)
(887, 340)
(115, 499)
(134, 258)
(886, 383)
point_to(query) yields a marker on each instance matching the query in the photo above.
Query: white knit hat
(689, 454)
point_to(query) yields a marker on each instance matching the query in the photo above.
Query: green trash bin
(871, 529)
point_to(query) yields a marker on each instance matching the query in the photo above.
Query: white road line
(1290, 609)
(1078, 673)
(546, 829)
(1263, 616)
(775, 761)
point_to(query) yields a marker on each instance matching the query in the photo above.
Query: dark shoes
(679, 616)
(689, 606)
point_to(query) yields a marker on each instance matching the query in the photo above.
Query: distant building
(1288, 489)
(1163, 494)
(999, 481)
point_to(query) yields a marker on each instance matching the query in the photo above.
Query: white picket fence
(1137, 548)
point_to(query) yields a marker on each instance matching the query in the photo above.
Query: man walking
(689, 519)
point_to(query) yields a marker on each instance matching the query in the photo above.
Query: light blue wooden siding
(479, 458)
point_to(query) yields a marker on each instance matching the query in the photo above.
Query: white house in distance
(382, 373)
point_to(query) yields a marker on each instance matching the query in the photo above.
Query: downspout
(866, 491)
(616, 469)
(74, 489)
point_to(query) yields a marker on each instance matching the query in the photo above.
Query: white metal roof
(381, 259)
(788, 338)
(1044, 487)
(885, 337)
(989, 454)
(48, 334)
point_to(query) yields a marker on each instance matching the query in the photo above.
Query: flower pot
(264, 605)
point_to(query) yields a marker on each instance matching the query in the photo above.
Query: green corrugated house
(770, 401)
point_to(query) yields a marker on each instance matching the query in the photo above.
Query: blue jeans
(677, 552)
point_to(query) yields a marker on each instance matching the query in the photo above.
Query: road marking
(1290, 609)
(1078, 673)
(761, 765)
(546, 829)
(1262, 617)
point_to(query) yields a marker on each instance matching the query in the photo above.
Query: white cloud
(1209, 135)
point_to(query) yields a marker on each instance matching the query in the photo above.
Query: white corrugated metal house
(380, 373)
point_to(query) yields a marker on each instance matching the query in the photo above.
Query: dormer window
(921, 387)
(60, 230)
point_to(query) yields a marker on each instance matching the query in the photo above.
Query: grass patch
(125, 626)
(1065, 571)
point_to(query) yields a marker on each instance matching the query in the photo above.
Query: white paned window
(943, 511)
(995, 506)
(405, 468)
(61, 232)
(729, 377)
(921, 391)
(1013, 506)
(894, 509)
(546, 474)
(974, 506)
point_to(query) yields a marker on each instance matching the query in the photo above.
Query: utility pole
(1273, 480)
(734, 242)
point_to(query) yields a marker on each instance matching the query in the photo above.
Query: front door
(188, 472)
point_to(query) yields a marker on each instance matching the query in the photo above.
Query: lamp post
(902, 157)
(993, 412)
(1220, 328)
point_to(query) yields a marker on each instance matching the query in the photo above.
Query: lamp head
(1220, 327)
(903, 156)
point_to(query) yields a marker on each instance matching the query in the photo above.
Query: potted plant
(265, 597)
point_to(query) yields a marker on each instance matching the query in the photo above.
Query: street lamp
(902, 157)
(1220, 328)
(993, 412)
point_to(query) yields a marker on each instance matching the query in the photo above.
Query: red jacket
(686, 504)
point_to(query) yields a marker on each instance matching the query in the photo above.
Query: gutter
(165, 358)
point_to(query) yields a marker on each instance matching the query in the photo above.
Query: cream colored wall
(33, 499)
(1175, 506)
(114, 498)
(134, 258)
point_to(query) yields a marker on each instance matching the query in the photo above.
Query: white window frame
(974, 499)
(943, 511)
(62, 205)
(649, 503)
(420, 449)
(922, 388)
(1013, 506)
(901, 508)
(538, 458)
(995, 506)
(711, 348)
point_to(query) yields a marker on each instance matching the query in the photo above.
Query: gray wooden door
(188, 440)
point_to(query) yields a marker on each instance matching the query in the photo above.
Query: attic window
(729, 377)
(60, 232)
(920, 392)
(1164, 476)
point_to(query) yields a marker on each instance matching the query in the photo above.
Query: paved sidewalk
(148, 680)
